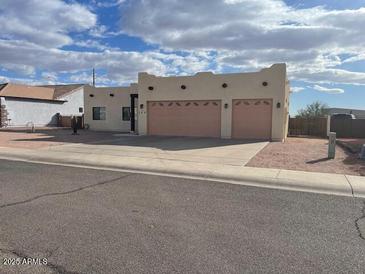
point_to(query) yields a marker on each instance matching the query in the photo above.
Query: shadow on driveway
(59, 136)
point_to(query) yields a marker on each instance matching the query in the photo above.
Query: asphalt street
(94, 221)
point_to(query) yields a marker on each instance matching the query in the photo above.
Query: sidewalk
(337, 184)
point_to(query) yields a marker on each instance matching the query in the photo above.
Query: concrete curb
(358, 185)
(324, 183)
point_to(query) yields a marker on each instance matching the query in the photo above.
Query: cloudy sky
(55, 41)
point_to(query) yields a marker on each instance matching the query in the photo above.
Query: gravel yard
(308, 154)
(353, 145)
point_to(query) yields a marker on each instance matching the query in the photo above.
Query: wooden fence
(65, 121)
(348, 128)
(344, 128)
(308, 126)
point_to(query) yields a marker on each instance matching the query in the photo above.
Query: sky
(55, 41)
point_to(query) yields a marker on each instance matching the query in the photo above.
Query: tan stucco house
(239, 105)
(109, 108)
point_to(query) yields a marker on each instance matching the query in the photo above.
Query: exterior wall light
(225, 105)
(224, 85)
(183, 87)
(264, 84)
(91, 95)
(141, 106)
(111, 95)
(278, 105)
(150, 88)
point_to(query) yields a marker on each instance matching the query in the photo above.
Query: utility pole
(93, 77)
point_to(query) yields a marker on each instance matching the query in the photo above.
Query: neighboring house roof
(61, 90)
(2, 86)
(46, 92)
(359, 113)
(25, 91)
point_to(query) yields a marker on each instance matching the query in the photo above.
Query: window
(81, 109)
(126, 113)
(99, 113)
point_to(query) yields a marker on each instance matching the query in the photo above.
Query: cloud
(239, 25)
(24, 69)
(328, 90)
(34, 33)
(44, 23)
(191, 36)
(108, 4)
(49, 77)
(4, 79)
(99, 31)
(91, 44)
(253, 34)
(297, 89)
(329, 76)
(121, 67)
(355, 58)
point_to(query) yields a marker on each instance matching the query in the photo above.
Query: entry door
(252, 119)
(184, 118)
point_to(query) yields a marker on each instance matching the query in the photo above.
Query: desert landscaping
(310, 154)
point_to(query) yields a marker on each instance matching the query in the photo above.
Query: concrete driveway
(202, 150)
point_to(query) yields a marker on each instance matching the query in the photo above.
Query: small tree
(315, 109)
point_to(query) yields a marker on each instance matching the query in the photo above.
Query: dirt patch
(308, 154)
(353, 145)
(42, 138)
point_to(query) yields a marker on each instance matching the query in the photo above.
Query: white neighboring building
(40, 105)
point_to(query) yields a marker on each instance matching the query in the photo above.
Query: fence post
(328, 125)
(332, 145)
(362, 153)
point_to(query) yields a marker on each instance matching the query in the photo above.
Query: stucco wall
(42, 113)
(75, 100)
(21, 112)
(208, 86)
(113, 107)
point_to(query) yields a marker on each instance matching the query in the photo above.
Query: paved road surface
(92, 221)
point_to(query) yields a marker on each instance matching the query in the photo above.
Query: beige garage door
(251, 119)
(184, 118)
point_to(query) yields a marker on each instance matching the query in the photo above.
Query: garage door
(184, 118)
(251, 119)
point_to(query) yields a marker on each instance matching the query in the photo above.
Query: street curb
(358, 185)
(279, 179)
